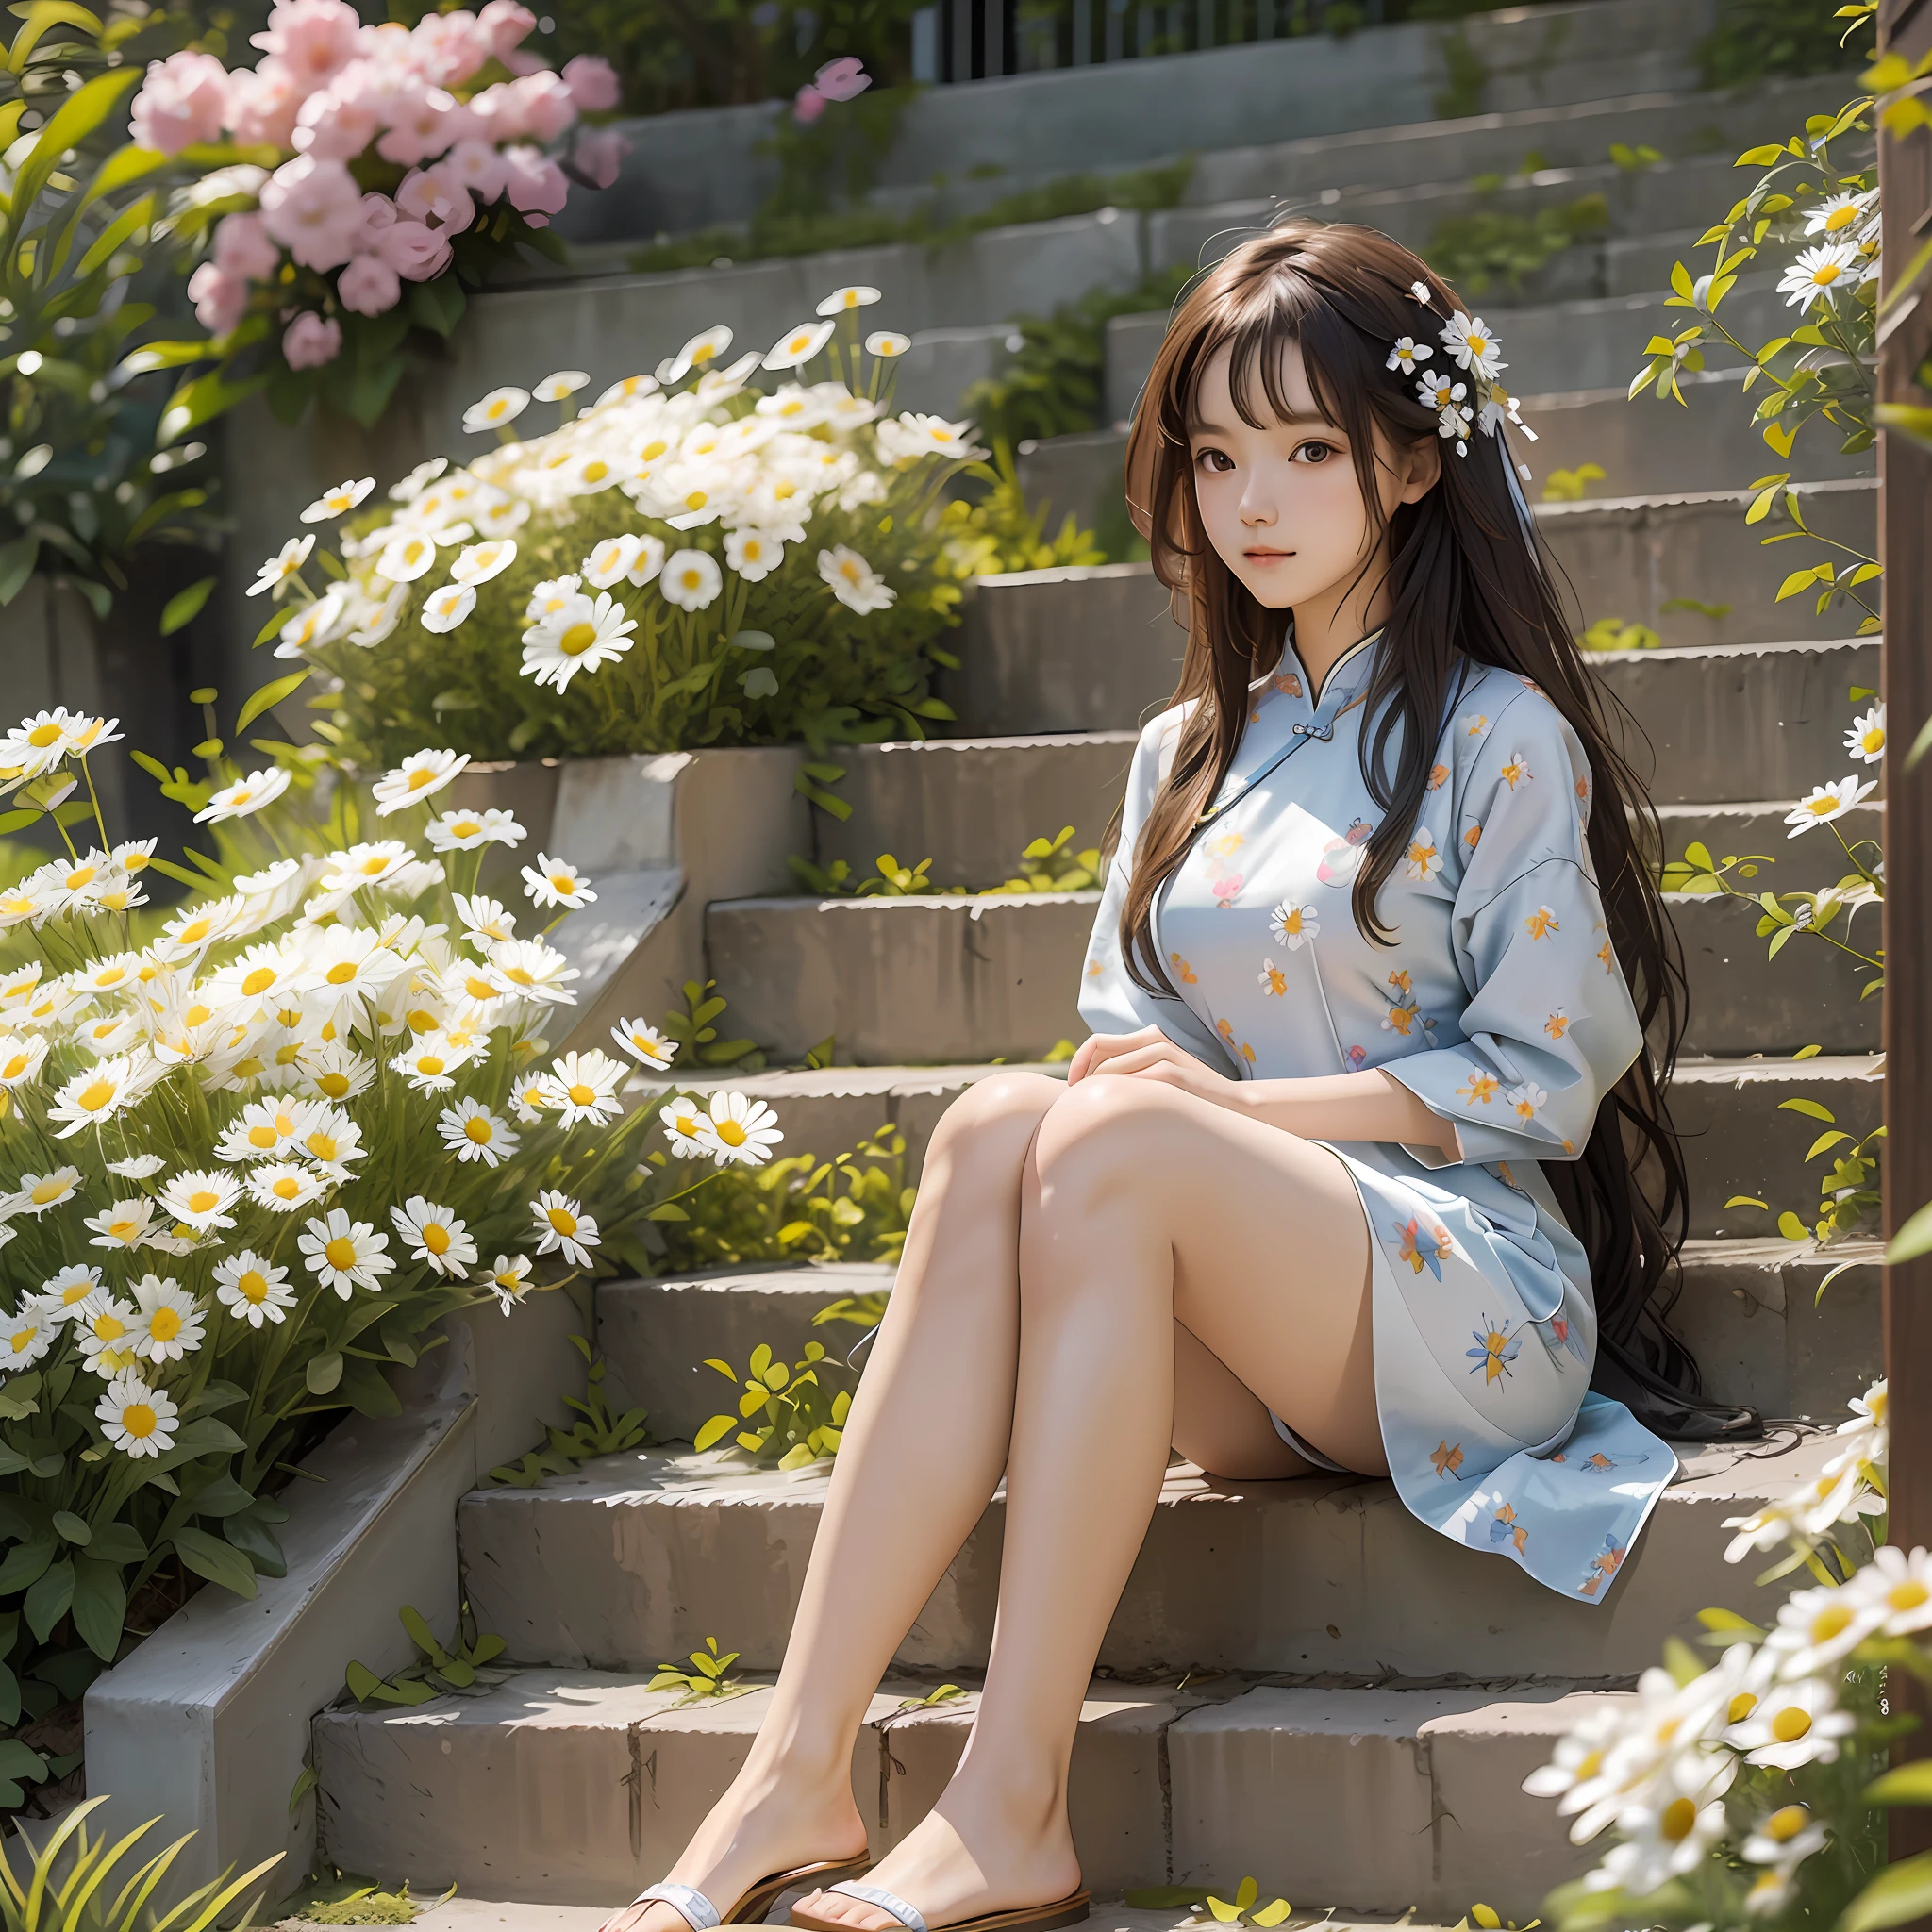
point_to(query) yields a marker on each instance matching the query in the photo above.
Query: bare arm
(1370, 1106)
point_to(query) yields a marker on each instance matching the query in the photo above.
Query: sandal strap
(689, 1903)
(890, 1902)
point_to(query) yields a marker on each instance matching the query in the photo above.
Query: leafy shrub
(1754, 40)
(1498, 247)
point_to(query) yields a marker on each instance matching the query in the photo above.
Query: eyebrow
(1294, 419)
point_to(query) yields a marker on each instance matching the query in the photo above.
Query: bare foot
(963, 1859)
(763, 1825)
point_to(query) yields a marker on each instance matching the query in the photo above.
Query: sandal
(1070, 1911)
(701, 1915)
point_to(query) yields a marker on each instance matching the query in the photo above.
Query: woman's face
(1282, 505)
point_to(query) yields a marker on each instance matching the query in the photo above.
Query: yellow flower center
(48, 1191)
(1680, 1815)
(582, 1095)
(203, 1201)
(259, 981)
(252, 1286)
(322, 1146)
(562, 882)
(1840, 218)
(195, 931)
(521, 975)
(784, 489)
(421, 1021)
(1786, 1824)
(340, 1253)
(335, 1085)
(436, 1237)
(97, 1093)
(477, 987)
(1907, 1595)
(1790, 1724)
(578, 640)
(287, 1187)
(478, 1129)
(42, 736)
(81, 877)
(109, 1327)
(1829, 1622)
(1741, 1706)
(497, 408)
(341, 972)
(23, 1339)
(164, 1325)
(562, 1220)
(690, 578)
(139, 1420)
(262, 1137)
(430, 1064)
(596, 470)
(732, 1133)
(1825, 274)
(16, 1066)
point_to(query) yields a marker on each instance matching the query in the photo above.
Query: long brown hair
(1468, 584)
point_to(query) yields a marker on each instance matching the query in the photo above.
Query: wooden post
(1905, 27)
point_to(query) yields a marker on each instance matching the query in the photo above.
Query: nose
(1258, 512)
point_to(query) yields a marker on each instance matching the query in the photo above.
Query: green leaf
(219, 1561)
(47, 1602)
(364, 1683)
(719, 1426)
(1791, 1227)
(323, 1374)
(185, 605)
(1810, 1109)
(1899, 1894)
(366, 1388)
(1911, 1241)
(269, 694)
(17, 560)
(200, 400)
(100, 1606)
(117, 1543)
(306, 1783)
(78, 116)
(1747, 1201)
(1907, 1784)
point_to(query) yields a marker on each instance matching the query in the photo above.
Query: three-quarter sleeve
(1110, 1000)
(1550, 1026)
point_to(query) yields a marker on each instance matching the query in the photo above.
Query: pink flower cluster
(329, 90)
(843, 79)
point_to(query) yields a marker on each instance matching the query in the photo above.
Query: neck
(1340, 617)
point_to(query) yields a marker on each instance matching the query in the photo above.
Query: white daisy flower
(244, 796)
(1823, 803)
(251, 1288)
(886, 343)
(62, 1293)
(21, 1058)
(1794, 1724)
(615, 557)
(753, 555)
(690, 1130)
(478, 562)
(122, 1226)
(487, 921)
(1664, 1837)
(699, 354)
(471, 1132)
(338, 502)
(690, 579)
(434, 1235)
(563, 1226)
(581, 636)
(446, 608)
(200, 1198)
(799, 346)
(743, 1130)
(550, 596)
(1897, 1589)
(1865, 741)
(346, 1255)
(137, 1167)
(588, 1084)
(1470, 343)
(91, 1098)
(840, 300)
(418, 480)
(264, 1127)
(314, 624)
(508, 1280)
(500, 407)
(282, 566)
(379, 617)
(407, 556)
(331, 1140)
(25, 1339)
(628, 388)
(904, 437)
(106, 1328)
(559, 385)
(533, 1095)
(271, 879)
(854, 581)
(417, 779)
(528, 969)
(465, 831)
(644, 1043)
(431, 1063)
(1454, 425)
(283, 1186)
(1294, 925)
(171, 1321)
(1406, 353)
(136, 1419)
(1440, 391)
(1838, 212)
(1818, 272)
(555, 882)
(199, 927)
(367, 863)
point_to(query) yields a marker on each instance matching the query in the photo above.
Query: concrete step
(1736, 1138)
(972, 803)
(1748, 1309)
(641, 1556)
(582, 1786)
(1575, 134)
(1643, 448)
(975, 978)
(1585, 344)
(1097, 650)
(1760, 830)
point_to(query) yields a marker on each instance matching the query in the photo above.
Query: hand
(1150, 1055)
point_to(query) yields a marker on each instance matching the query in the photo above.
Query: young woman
(1377, 940)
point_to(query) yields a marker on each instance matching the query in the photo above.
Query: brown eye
(1216, 461)
(1314, 452)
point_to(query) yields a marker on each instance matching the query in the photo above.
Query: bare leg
(923, 1452)
(1144, 1207)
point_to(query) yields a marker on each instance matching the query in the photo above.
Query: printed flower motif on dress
(1341, 857)
(1272, 979)
(1482, 1088)
(1446, 1459)
(1424, 1247)
(1472, 838)
(1526, 1100)
(1404, 1015)
(1476, 726)
(1294, 925)
(1558, 1023)
(1505, 1528)
(1182, 971)
(1358, 1058)
(1422, 861)
(1515, 771)
(1559, 1334)
(1287, 684)
(1495, 1353)
(1242, 1048)
(1223, 881)
(1438, 777)
(1604, 1565)
(1606, 952)
(1542, 923)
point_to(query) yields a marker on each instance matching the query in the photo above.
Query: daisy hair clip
(1473, 399)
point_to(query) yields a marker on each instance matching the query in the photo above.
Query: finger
(1166, 1054)
(1107, 1046)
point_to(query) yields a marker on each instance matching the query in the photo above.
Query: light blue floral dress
(1501, 1004)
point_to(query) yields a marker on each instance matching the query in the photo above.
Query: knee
(992, 1123)
(1103, 1139)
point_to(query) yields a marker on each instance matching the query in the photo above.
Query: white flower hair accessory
(1460, 407)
